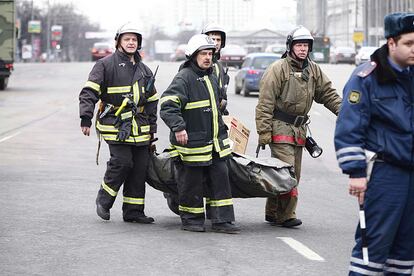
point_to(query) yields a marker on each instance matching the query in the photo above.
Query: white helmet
(215, 28)
(299, 33)
(129, 27)
(197, 43)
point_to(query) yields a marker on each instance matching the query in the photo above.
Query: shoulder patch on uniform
(365, 69)
(354, 97)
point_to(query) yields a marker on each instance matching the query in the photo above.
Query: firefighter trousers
(389, 216)
(219, 203)
(128, 166)
(283, 207)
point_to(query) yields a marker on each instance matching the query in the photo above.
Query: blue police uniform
(377, 114)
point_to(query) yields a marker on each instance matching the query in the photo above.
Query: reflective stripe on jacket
(111, 80)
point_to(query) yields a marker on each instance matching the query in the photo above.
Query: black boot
(193, 228)
(140, 219)
(290, 223)
(102, 212)
(225, 227)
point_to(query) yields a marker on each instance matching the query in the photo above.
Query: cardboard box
(238, 134)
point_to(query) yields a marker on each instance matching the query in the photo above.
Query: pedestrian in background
(190, 108)
(377, 115)
(126, 121)
(287, 90)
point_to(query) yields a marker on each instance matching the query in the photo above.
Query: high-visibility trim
(134, 127)
(399, 262)
(287, 139)
(173, 153)
(145, 128)
(191, 209)
(351, 158)
(350, 150)
(105, 128)
(119, 89)
(126, 115)
(134, 200)
(154, 98)
(215, 113)
(94, 86)
(219, 203)
(399, 271)
(123, 105)
(218, 74)
(196, 158)
(226, 142)
(185, 150)
(364, 271)
(225, 152)
(198, 104)
(130, 139)
(108, 189)
(370, 264)
(170, 98)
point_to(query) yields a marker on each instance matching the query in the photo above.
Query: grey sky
(272, 14)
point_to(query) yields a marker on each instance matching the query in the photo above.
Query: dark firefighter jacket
(377, 114)
(111, 80)
(191, 103)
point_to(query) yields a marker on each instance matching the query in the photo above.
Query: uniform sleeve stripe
(351, 158)
(94, 86)
(349, 150)
(153, 98)
(170, 98)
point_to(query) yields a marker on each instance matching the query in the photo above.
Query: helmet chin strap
(292, 53)
(125, 52)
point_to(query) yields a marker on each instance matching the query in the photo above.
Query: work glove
(223, 107)
(265, 138)
(124, 129)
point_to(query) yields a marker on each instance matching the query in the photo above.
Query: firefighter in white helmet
(199, 139)
(287, 90)
(218, 35)
(126, 120)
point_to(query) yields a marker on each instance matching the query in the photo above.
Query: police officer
(377, 115)
(190, 108)
(218, 35)
(287, 90)
(126, 121)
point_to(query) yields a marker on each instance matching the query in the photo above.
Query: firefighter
(287, 90)
(126, 121)
(377, 115)
(198, 137)
(218, 35)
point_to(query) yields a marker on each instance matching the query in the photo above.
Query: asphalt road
(49, 180)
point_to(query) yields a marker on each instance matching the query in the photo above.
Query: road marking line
(8, 137)
(302, 249)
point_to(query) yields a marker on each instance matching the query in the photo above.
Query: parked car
(276, 48)
(342, 55)
(233, 55)
(364, 54)
(179, 54)
(248, 77)
(101, 49)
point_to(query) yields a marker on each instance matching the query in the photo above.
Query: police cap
(396, 24)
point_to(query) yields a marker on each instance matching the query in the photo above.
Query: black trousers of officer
(127, 165)
(191, 192)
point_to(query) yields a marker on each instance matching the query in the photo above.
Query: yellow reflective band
(215, 113)
(145, 128)
(225, 152)
(109, 190)
(154, 98)
(134, 127)
(226, 142)
(126, 115)
(197, 104)
(185, 150)
(119, 89)
(219, 203)
(191, 210)
(196, 158)
(106, 128)
(94, 86)
(173, 153)
(124, 103)
(135, 90)
(130, 139)
(218, 74)
(170, 98)
(132, 200)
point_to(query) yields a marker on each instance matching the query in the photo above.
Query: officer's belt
(140, 108)
(296, 120)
